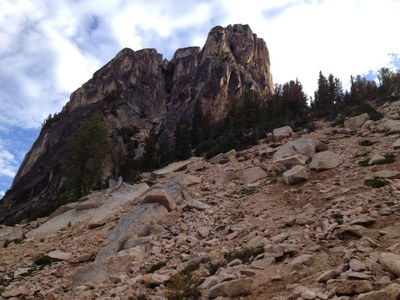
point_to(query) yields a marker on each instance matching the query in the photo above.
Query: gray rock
(356, 122)
(391, 125)
(185, 180)
(391, 262)
(251, 174)
(225, 176)
(160, 196)
(387, 174)
(282, 132)
(303, 146)
(175, 166)
(357, 265)
(324, 161)
(327, 275)
(376, 158)
(396, 144)
(99, 271)
(217, 158)
(305, 259)
(233, 288)
(111, 204)
(295, 175)
(391, 292)
(308, 295)
(196, 204)
(263, 263)
(350, 287)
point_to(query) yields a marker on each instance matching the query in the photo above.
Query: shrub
(244, 254)
(366, 143)
(375, 183)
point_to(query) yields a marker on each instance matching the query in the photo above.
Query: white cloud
(8, 164)
(50, 48)
(342, 37)
(2, 193)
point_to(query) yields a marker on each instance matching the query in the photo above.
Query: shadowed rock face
(141, 89)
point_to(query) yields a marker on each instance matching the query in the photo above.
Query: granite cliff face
(141, 89)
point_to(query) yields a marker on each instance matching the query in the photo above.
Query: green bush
(366, 143)
(244, 254)
(375, 183)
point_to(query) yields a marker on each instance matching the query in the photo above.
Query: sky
(50, 48)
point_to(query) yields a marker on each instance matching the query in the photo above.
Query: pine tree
(200, 129)
(323, 102)
(130, 170)
(182, 142)
(82, 164)
(149, 159)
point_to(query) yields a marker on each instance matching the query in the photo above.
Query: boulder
(305, 259)
(386, 174)
(225, 176)
(295, 175)
(196, 204)
(294, 160)
(263, 263)
(232, 289)
(356, 122)
(350, 287)
(391, 262)
(282, 132)
(273, 169)
(15, 291)
(58, 254)
(396, 144)
(251, 174)
(391, 125)
(324, 161)
(307, 147)
(391, 292)
(375, 159)
(185, 180)
(159, 196)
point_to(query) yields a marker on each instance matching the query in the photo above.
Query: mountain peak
(139, 89)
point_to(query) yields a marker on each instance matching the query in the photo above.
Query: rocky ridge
(230, 227)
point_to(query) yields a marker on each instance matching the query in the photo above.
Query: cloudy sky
(50, 48)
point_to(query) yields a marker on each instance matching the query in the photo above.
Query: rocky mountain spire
(141, 89)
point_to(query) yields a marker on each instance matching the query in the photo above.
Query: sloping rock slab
(173, 167)
(135, 223)
(233, 288)
(99, 271)
(107, 209)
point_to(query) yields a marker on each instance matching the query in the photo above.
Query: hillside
(298, 216)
